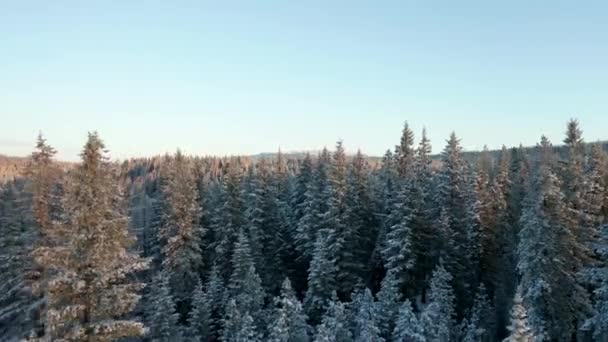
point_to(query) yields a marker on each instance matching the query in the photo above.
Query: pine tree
(266, 233)
(89, 290)
(313, 209)
(44, 179)
(360, 218)
(289, 321)
(339, 233)
(228, 218)
(404, 152)
(214, 304)
(334, 327)
(407, 327)
(519, 329)
(481, 323)
(387, 306)
(438, 317)
(366, 329)
(160, 312)
(548, 262)
(453, 196)
(245, 286)
(321, 280)
(423, 233)
(199, 316)
(182, 232)
(239, 326)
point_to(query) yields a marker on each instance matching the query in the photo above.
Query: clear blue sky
(232, 77)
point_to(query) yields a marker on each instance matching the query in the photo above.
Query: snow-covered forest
(497, 245)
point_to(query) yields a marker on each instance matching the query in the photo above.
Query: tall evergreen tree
(89, 291)
(228, 218)
(547, 257)
(160, 313)
(439, 315)
(199, 317)
(239, 326)
(44, 178)
(404, 152)
(339, 233)
(182, 232)
(289, 321)
(245, 285)
(407, 327)
(387, 306)
(454, 197)
(321, 279)
(366, 328)
(519, 328)
(334, 326)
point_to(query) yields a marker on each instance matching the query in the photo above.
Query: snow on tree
(387, 306)
(239, 326)
(366, 328)
(548, 262)
(17, 306)
(360, 218)
(182, 231)
(90, 289)
(228, 219)
(199, 316)
(245, 285)
(288, 322)
(266, 234)
(481, 325)
(407, 327)
(321, 279)
(599, 319)
(519, 328)
(160, 312)
(438, 317)
(334, 327)
(454, 196)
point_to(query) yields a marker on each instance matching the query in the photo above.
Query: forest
(508, 245)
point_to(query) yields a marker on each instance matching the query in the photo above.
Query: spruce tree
(366, 328)
(519, 328)
(334, 326)
(182, 232)
(238, 325)
(44, 178)
(548, 262)
(387, 306)
(288, 322)
(321, 280)
(199, 316)
(245, 285)
(407, 327)
(439, 315)
(404, 152)
(453, 196)
(161, 316)
(339, 233)
(228, 218)
(89, 292)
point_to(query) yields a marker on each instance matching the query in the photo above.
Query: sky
(243, 77)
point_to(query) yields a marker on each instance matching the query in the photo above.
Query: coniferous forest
(508, 245)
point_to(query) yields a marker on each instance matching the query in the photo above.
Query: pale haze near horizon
(246, 77)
